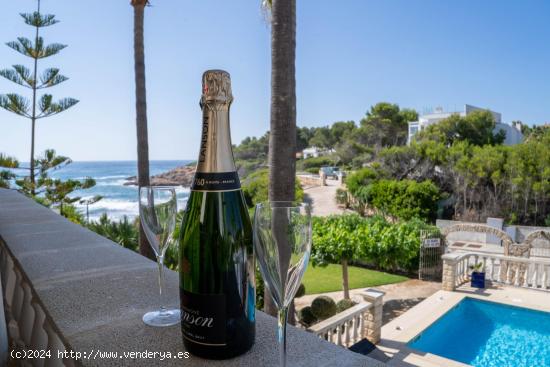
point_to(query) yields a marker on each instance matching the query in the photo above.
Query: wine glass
(282, 239)
(157, 212)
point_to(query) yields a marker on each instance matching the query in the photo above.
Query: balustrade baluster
(39, 339)
(355, 325)
(546, 282)
(534, 280)
(27, 315)
(348, 325)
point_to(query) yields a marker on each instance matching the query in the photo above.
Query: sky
(350, 55)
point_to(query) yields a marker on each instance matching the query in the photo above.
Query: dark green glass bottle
(217, 278)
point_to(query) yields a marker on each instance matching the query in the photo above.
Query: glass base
(162, 318)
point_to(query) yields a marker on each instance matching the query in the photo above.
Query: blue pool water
(488, 334)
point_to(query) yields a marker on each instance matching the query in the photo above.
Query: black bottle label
(203, 318)
(216, 181)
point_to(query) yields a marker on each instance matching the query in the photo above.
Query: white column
(372, 324)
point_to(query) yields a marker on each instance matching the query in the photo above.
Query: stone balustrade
(79, 298)
(510, 270)
(361, 321)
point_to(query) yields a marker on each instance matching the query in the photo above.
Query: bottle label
(216, 181)
(203, 318)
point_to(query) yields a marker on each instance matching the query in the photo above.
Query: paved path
(398, 297)
(322, 198)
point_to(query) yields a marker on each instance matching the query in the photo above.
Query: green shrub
(247, 167)
(360, 178)
(323, 307)
(313, 170)
(335, 238)
(405, 199)
(306, 316)
(259, 290)
(385, 245)
(342, 198)
(393, 246)
(71, 213)
(255, 188)
(344, 304)
(122, 232)
(317, 162)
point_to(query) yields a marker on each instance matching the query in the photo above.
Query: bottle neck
(216, 153)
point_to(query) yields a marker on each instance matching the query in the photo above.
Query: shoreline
(179, 176)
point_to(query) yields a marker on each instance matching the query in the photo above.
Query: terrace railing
(508, 270)
(73, 297)
(362, 321)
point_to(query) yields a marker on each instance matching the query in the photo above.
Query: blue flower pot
(478, 279)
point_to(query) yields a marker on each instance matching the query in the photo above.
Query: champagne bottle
(217, 269)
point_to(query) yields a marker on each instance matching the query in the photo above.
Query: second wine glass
(282, 239)
(157, 212)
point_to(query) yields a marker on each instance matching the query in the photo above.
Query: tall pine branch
(35, 107)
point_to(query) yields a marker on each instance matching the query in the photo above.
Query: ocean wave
(110, 177)
(116, 209)
(116, 205)
(119, 182)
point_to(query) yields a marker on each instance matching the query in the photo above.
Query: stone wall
(69, 289)
(311, 180)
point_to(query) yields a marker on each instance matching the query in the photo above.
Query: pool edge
(400, 331)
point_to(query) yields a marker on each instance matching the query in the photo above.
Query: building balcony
(81, 297)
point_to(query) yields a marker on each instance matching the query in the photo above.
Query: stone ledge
(95, 292)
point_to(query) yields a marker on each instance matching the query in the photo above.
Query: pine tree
(37, 107)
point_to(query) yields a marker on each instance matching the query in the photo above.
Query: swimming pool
(488, 334)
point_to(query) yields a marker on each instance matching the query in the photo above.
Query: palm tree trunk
(345, 282)
(282, 138)
(141, 115)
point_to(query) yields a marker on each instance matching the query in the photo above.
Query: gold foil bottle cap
(216, 87)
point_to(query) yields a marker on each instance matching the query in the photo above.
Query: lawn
(329, 279)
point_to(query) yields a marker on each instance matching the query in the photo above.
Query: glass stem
(160, 263)
(282, 316)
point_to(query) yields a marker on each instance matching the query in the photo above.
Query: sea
(118, 200)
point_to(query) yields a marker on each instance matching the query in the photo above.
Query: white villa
(513, 133)
(314, 152)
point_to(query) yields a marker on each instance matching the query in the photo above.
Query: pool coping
(398, 332)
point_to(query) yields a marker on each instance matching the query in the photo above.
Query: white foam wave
(111, 177)
(116, 205)
(119, 182)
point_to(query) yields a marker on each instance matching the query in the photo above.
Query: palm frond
(140, 2)
(51, 77)
(266, 6)
(15, 103)
(39, 20)
(49, 108)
